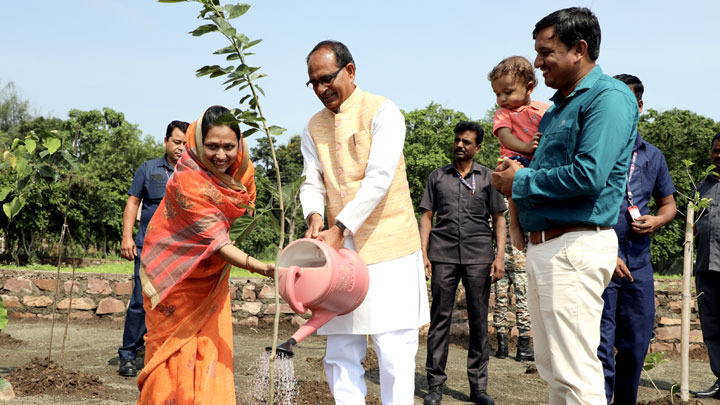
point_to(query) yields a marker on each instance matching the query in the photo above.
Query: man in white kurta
(353, 162)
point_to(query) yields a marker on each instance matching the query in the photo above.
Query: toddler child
(516, 122)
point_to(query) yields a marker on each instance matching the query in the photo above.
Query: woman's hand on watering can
(315, 225)
(269, 270)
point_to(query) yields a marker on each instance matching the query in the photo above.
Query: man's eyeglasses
(326, 80)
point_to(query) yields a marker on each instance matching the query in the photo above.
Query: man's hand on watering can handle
(333, 237)
(315, 225)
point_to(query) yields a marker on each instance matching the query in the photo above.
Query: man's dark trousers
(135, 318)
(627, 323)
(445, 279)
(707, 284)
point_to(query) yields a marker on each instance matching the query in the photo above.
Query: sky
(136, 56)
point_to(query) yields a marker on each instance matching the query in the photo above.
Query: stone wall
(29, 294)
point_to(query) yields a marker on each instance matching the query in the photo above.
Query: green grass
(109, 268)
(668, 276)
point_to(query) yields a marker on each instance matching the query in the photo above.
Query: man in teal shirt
(568, 199)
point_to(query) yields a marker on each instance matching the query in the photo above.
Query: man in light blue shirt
(568, 199)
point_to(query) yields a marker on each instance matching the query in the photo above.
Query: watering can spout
(319, 318)
(284, 349)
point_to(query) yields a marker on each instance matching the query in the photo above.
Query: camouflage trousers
(516, 276)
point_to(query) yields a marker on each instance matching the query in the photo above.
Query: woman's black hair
(211, 115)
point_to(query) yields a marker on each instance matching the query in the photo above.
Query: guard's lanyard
(629, 177)
(463, 181)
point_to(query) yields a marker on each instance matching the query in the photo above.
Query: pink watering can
(312, 275)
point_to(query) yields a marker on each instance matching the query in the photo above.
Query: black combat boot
(502, 350)
(434, 395)
(524, 352)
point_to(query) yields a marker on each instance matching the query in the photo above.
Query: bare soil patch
(670, 400)
(92, 346)
(7, 340)
(43, 377)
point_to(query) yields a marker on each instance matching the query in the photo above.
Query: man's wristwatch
(341, 226)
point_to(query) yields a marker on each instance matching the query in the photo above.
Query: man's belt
(552, 233)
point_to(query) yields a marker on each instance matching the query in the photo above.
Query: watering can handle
(296, 306)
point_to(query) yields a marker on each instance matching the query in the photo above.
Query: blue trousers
(134, 319)
(627, 323)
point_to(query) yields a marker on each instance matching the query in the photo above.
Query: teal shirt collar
(587, 82)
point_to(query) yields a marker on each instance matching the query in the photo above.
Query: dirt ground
(91, 349)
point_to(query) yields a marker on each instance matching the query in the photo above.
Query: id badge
(634, 212)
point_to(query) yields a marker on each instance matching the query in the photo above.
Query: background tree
(13, 108)
(429, 144)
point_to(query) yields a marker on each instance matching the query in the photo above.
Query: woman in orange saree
(186, 262)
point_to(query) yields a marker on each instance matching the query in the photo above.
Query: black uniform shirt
(462, 232)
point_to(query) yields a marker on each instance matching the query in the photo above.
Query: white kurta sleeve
(388, 138)
(312, 191)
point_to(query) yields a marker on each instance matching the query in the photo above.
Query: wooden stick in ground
(685, 321)
(72, 287)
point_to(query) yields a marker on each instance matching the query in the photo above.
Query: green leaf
(233, 56)
(256, 76)
(242, 227)
(249, 132)
(291, 192)
(235, 11)
(4, 192)
(243, 39)
(3, 324)
(206, 70)
(15, 143)
(22, 167)
(272, 219)
(234, 83)
(253, 43)
(226, 119)
(260, 90)
(224, 26)
(30, 144)
(12, 208)
(220, 71)
(276, 130)
(52, 145)
(227, 49)
(70, 159)
(43, 153)
(203, 29)
(46, 171)
(687, 163)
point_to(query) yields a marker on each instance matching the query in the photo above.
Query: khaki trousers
(567, 276)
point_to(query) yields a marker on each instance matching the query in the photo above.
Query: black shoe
(712, 392)
(127, 368)
(434, 395)
(481, 397)
(502, 350)
(524, 352)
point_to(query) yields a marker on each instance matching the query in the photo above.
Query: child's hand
(517, 237)
(535, 141)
